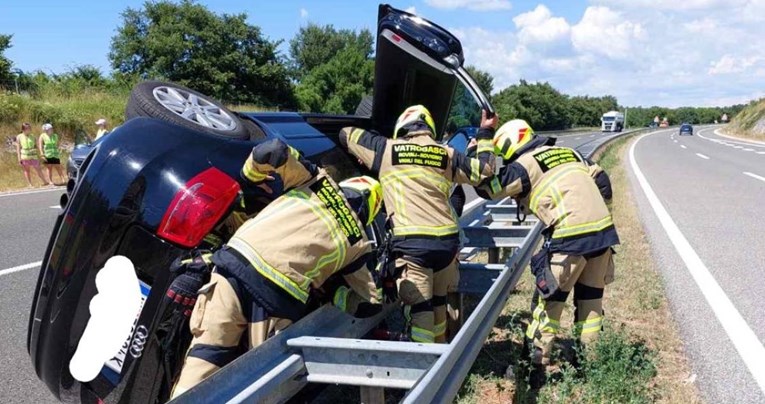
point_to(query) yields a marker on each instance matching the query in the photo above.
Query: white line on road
(702, 156)
(743, 142)
(748, 149)
(754, 176)
(39, 191)
(744, 340)
(683, 146)
(675, 141)
(578, 138)
(20, 268)
(761, 152)
(55, 207)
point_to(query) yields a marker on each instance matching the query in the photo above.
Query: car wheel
(365, 106)
(184, 107)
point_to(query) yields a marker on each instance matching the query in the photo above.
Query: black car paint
(115, 210)
(129, 178)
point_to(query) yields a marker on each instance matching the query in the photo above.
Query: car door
(416, 62)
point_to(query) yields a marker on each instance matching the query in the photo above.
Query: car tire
(168, 101)
(365, 106)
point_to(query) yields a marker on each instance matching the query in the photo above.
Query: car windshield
(608, 118)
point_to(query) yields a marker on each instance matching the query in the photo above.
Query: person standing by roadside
(101, 123)
(49, 149)
(26, 153)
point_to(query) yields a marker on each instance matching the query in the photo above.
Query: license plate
(118, 360)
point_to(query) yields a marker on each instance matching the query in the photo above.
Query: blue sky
(646, 52)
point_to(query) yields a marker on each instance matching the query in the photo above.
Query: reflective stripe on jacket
(307, 234)
(555, 183)
(28, 147)
(416, 174)
(50, 145)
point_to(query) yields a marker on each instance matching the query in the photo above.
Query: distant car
(686, 129)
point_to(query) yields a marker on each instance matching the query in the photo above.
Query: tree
(338, 85)
(542, 106)
(335, 68)
(220, 55)
(315, 45)
(6, 76)
(586, 111)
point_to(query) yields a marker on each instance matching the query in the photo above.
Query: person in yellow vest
(26, 153)
(101, 123)
(48, 146)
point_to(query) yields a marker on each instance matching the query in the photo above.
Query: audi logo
(139, 340)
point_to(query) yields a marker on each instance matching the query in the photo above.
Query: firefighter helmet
(512, 136)
(412, 115)
(370, 189)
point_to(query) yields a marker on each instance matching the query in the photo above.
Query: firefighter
(416, 174)
(556, 184)
(267, 270)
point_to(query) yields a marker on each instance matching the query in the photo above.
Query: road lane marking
(55, 207)
(578, 138)
(754, 176)
(20, 268)
(683, 146)
(744, 340)
(702, 156)
(748, 149)
(753, 143)
(675, 141)
(38, 191)
(761, 152)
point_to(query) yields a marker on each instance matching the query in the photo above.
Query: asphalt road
(712, 189)
(27, 220)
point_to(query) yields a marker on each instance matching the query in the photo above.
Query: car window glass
(459, 141)
(465, 112)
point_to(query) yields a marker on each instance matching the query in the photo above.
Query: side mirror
(459, 141)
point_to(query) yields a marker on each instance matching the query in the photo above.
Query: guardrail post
(372, 395)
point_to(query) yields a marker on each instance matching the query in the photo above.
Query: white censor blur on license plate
(118, 360)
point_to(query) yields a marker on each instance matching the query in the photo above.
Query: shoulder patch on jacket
(551, 158)
(414, 154)
(339, 210)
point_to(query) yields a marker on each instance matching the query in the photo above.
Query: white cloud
(681, 5)
(540, 26)
(729, 64)
(411, 9)
(642, 55)
(303, 13)
(476, 5)
(605, 32)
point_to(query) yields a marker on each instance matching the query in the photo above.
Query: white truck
(612, 121)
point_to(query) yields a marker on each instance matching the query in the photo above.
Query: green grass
(639, 357)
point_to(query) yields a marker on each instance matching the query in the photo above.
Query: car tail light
(197, 207)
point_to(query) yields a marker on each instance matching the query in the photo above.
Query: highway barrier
(326, 346)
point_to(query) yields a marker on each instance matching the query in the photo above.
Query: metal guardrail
(325, 347)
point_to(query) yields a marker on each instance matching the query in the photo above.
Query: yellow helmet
(415, 113)
(370, 189)
(512, 136)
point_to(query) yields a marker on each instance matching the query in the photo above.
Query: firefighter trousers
(587, 277)
(423, 292)
(218, 323)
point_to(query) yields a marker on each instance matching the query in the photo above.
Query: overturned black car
(162, 184)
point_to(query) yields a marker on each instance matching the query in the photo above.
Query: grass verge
(639, 357)
(749, 123)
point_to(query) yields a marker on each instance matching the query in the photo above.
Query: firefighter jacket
(307, 234)
(417, 173)
(556, 184)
